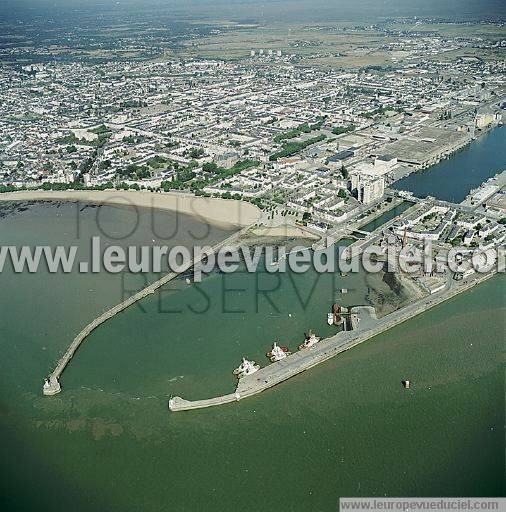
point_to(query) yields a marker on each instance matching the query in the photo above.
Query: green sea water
(345, 428)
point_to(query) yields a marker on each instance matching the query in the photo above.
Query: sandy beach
(219, 212)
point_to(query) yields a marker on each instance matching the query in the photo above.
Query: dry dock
(52, 384)
(302, 360)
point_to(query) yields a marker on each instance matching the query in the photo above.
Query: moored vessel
(330, 318)
(277, 353)
(310, 341)
(336, 314)
(246, 368)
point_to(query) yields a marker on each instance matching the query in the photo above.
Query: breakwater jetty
(52, 383)
(302, 360)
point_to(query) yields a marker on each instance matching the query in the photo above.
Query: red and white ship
(311, 341)
(277, 353)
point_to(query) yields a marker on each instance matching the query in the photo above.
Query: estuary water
(453, 178)
(345, 428)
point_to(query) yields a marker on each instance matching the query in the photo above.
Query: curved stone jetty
(52, 385)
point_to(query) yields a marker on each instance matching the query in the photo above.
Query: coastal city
(202, 203)
(314, 147)
(303, 143)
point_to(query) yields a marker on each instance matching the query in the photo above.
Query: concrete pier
(52, 385)
(180, 404)
(302, 360)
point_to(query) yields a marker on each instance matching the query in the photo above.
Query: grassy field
(355, 48)
(332, 45)
(337, 44)
(471, 52)
(455, 30)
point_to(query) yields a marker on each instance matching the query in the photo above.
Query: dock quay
(52, 385)
(373, 236)
(300, 361)
(353, 230)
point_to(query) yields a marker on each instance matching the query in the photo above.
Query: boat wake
(123, 396)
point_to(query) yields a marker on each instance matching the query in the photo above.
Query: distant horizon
(260, 11)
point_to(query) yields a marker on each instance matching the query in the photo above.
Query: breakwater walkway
(302, 360)
(52, 383)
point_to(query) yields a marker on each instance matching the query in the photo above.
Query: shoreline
(224, 213)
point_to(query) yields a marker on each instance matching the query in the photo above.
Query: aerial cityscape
(314, 197)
